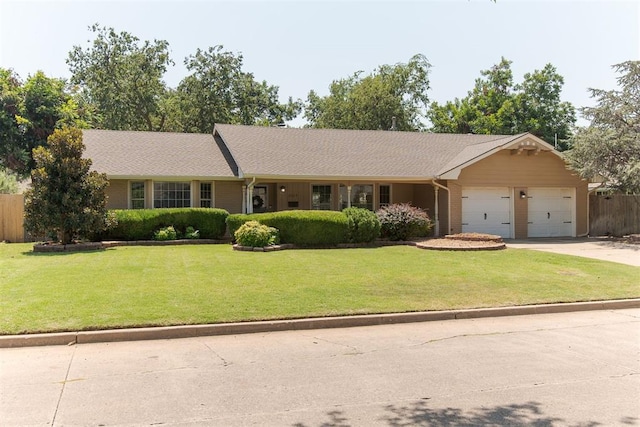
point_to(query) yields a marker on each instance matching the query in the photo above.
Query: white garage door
(486, 210)
(550, 212)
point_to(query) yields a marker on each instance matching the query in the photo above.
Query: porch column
(244, 199)
(250, 199)
(348, 196)
(437, 213)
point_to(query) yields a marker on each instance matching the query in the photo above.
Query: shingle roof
(235, 151)
(268, 151)
(155, 154)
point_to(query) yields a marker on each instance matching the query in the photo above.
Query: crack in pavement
(64, 383)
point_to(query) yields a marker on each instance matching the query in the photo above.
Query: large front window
(321, 197)
(171, 195)
(361, 196)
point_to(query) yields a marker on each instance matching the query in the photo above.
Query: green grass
(174, 285)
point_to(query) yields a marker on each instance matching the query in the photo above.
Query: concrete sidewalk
(589, 247)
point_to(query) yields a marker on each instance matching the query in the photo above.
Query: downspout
(588, 208)
(250, 195)
(448, 203)
(437, 212)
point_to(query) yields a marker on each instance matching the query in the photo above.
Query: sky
(304, 45)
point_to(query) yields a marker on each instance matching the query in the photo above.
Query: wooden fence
(11, 218)
(616, 214)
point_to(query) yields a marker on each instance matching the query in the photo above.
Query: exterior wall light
(283, 188)
(523, 195)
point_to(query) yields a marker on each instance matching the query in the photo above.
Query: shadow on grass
(419, 414)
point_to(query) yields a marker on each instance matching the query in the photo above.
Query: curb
(191, 331)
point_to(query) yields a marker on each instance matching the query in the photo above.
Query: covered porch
(279, 195)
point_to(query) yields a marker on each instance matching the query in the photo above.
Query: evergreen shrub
(300, 227)
(141, 224)
(363, 225)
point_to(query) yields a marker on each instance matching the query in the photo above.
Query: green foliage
(191, 233)
(303, 228)
(609, 148)
(8, 182)
(364, 225)
(123, 79)
(140, 224)
(401, 221)
(65, 197)
(370, 102)
(256, 235)
(219, 91)
(166, 233)
(496, 106)
(29, 113)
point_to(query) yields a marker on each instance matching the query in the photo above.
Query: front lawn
(174, 285)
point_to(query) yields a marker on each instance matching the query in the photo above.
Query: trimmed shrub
(191, 233)
(401, 221)
(256, 235)
(363, 225)
(303, 228)
(141, 224)
(166, 233)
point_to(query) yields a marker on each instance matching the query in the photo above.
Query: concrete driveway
(589, 247)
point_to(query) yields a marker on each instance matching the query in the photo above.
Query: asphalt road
(569, 369)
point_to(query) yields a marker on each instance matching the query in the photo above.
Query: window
(137, 195)
(321, 197)
(171, 195)
(361, 196)
(205, 195)
(385, 195)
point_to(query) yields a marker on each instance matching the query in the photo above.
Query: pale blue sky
(304, 45)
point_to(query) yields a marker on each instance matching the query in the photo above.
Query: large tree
(498, 106)
(30, 112)
(65, 198)
(609, 149)
(218, 90)
(371, 101)
(122, 77)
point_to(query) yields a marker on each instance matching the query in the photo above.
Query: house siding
(519, 172)
(118, 194)
(228, 195)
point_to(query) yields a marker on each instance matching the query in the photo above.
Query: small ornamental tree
(65, 198)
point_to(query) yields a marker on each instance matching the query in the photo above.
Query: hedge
(303, 228)
(140, 224)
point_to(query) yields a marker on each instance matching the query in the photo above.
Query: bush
(191, 233)
(303, 228)
(401, 221)
(141, 224)
(256, 235)
(166, 233)
(363, 225)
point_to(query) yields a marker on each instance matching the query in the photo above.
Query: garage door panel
(486, 210)
(550, 212)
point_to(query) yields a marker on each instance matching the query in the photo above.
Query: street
(567, 369)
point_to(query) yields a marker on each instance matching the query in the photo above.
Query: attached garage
(551, 212)
(487, 210)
